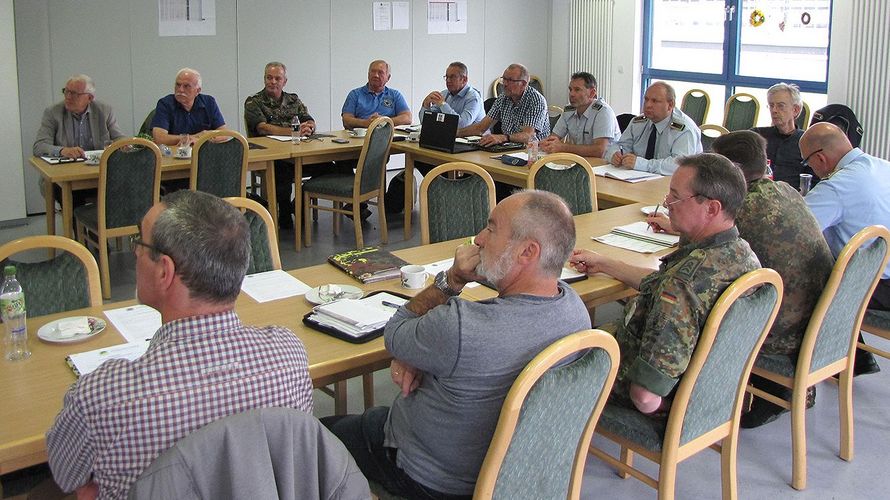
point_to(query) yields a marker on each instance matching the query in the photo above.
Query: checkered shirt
(116, 420)
(531, 111)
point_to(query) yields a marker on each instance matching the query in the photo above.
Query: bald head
(822, 146)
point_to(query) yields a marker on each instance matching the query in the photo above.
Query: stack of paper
(624, 175)
(357, 317)
(638, 237)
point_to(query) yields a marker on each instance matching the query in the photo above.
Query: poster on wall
(186, 17)
(390, 15)
(446, 16)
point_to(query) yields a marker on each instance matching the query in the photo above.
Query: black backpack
(844, 118)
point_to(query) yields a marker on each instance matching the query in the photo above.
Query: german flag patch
(669, 298)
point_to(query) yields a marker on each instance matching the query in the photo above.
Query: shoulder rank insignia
(640, 119)
(678, 126)
(597, 105)
(568, 108)
(687, 269)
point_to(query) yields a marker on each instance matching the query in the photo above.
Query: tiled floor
(764, 458)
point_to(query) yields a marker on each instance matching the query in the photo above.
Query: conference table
(33, 389)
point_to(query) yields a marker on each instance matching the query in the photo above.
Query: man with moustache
(186, 111)
(455, 360)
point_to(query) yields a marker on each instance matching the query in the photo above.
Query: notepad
(638, 237)
(355, 319)
(621, 174)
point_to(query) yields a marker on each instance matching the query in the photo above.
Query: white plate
(180, 157)
(50, 331)
(651, 209)
(352, 292)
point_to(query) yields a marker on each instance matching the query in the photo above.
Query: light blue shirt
(677, 135)
(362, 103)
(596, 122)
(856, 195)
(466, 104)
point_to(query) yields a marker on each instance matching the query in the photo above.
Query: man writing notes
(456, 359)
(661, 325)
(589, 123)
(203, 364)
(783, 136)
(185, 111)
(653, 141)
(851, 196)
(459, 98)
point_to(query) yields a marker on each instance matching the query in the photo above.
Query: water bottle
(295, 130)
(12, 304)
(532, 149)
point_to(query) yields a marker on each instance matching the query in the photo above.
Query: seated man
(589, 123)
(777, 223)
(521, 111)
(202, 364)
(661, 325)
(459, 98)
(186, 111)
(782, 136)
(271, 112)
(451, 360)
(77, 124)
(655, 140)
(851, 196)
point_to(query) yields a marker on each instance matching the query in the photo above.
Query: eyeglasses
(136, 241)
(511, 80)
(806, 161)
(452, 77)
(671, 203)
(71, 93)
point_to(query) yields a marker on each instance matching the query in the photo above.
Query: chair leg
(336, 216)
(667, 478)
(340, 405)
(307, 239)
(627, 458)
(357, 224)
(729, 479)
(103, 264)
(381, 215)
(368, 388)
(799, 439)
(845, 395)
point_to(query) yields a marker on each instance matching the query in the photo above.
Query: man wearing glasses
(201, 365)
(851, 196)
(783, 136)
(77, 124)
(521, 111)
(661, 325)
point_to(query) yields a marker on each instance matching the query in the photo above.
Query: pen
(621, 149)
(651, 225)
(391, 304)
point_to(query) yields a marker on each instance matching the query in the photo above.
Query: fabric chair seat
(88, 215)
(644, 430)
(781, 364)
(331, 184)
(880, 319)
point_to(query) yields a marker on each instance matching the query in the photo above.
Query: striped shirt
(116, 420)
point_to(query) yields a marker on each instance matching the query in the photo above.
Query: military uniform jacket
(260, 108)
(785, 236)
(597, 121)
(678, 135)
(662, 324)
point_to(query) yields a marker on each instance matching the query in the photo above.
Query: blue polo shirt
(172, 117)
(362, 103)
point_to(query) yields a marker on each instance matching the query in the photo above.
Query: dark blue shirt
(172, 117)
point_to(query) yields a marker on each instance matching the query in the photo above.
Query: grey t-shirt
(470, 353)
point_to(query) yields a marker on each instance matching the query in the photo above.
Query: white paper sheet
(632, 176)
(85, 362)
(382, 13)
(136, 323)
(400, 15)
(282, 138)
(272, 285)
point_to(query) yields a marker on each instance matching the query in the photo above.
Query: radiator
(869, 74)
(590, 40)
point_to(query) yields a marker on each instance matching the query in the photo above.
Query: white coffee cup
(413, 276)
(359, 132)
(414, 136)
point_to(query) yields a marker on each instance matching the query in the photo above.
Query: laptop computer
(439, 130)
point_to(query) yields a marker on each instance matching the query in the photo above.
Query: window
(729, 46)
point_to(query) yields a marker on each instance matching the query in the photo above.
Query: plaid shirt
(530, 112)
(119, 418)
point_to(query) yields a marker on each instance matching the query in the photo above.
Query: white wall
(12, 195)
(326, 45)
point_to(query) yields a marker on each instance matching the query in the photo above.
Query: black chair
(624, 120)
(487, 104)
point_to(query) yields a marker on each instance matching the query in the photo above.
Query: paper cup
(413, 277)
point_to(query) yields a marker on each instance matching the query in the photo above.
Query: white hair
(89, 86)
(193, 71)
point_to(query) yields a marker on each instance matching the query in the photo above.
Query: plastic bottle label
(12, 305)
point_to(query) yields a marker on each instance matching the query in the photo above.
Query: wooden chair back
(461, 210)
(576, 183)
(219, 166)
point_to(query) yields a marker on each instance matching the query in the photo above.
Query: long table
(33, 389)
(609, 192)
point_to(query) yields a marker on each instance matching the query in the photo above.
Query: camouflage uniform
(661, 324)
(260, 108)
(785, 235)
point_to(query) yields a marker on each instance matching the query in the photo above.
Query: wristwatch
(441, 283)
